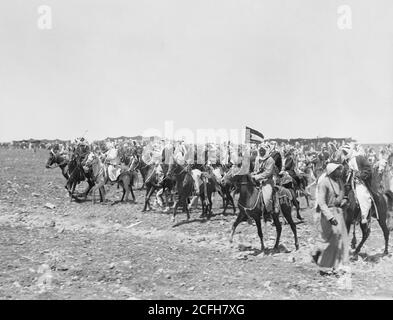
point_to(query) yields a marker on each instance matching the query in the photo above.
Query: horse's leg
(166, 190)
(225, 202)
(259, 228)
(102, 188)
(385, 230)
(132, 194)
(354, 241)
(222, 195)
(124, 193)
(307, 200)
(101, 195)
(73, 190)
(64, 173)
(126, 188)
(90, 185)
(365, 233)
(210, 203)
(202, 196)
(93, 194)
(186, 207)
(297, 206)
(174, 210)
(239, 219)
(152, 189)
(286, 210)
(349, 221)
(232, 202)
(147, 193)
(160, 197)
(278, 226)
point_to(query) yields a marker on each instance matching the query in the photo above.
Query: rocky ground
(51, 248)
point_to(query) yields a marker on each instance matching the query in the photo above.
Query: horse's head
(233, 176)
(51, 160)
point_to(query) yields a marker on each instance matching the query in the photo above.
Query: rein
(256, 202)
(149, 177)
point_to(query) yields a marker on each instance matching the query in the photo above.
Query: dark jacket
(277, 159)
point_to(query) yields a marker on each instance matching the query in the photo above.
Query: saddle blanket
(113, 172)
(284, 193)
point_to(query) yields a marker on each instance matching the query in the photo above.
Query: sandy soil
(86, 251)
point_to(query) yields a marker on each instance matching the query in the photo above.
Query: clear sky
(119, 67)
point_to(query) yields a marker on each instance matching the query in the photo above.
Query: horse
(381, 205)
(224, 189)
(60, 161)
(184, 186)
(76, 175)
(206, 190)
(297, 187)
(287, 182)
(125, 179)
(130, 158)
(150, 181)
(251, 205)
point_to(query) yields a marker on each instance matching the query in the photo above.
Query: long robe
(336, 252)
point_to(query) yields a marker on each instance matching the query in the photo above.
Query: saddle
(113, 172)
(284, 194)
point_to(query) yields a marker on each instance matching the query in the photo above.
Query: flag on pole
(253, 136)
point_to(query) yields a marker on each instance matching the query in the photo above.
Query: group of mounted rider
(294, 167)
(277, 174)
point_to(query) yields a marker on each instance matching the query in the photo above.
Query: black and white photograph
(196, 150)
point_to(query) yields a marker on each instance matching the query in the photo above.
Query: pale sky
(118, 67)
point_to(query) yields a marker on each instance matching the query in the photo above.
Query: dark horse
(59, 161)
(251, 205)
(224, 189)
(184, 186)
(150, 181)
(295, 202)
(206, 190)
(77, 175)
(383, 203)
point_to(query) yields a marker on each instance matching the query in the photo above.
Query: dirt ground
(86, 251)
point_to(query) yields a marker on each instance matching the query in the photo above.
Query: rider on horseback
(359, 178)
(81, 148)
(290, 165)
(263, 173)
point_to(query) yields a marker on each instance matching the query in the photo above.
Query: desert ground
(52, 248)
